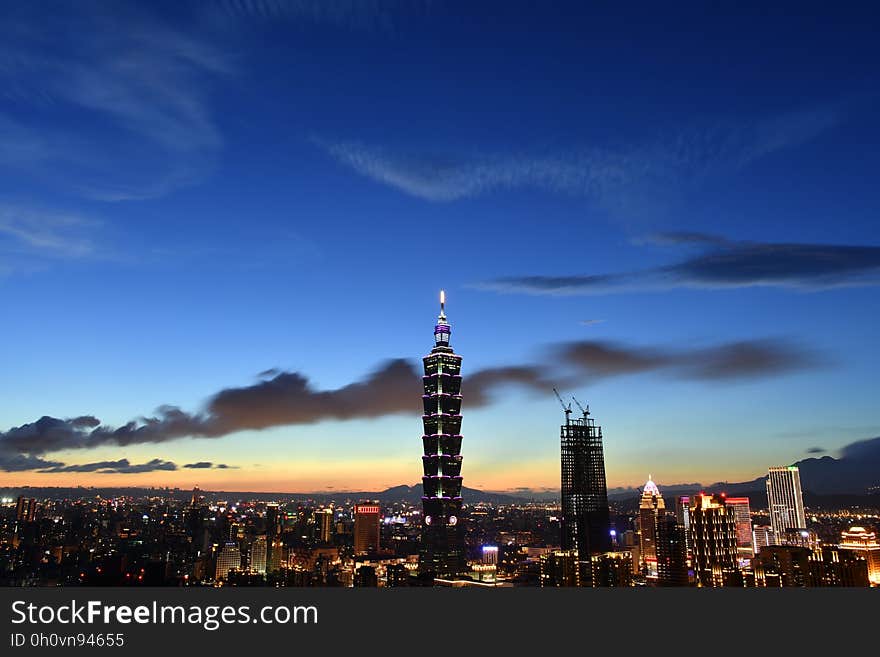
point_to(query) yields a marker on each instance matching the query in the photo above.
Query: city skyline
(219, 229)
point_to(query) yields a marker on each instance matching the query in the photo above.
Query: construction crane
(565, 408)
(586, 411)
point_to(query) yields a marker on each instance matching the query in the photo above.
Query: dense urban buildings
(436, 537)
(156, 538)
(442, 553)
(785, 499)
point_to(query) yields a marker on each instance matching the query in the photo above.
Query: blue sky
(671, 213)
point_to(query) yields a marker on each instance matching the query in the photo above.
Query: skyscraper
(585, 525)
(785, 499)
(229, 558)
(325, 525)
(258, 555)
(442, 548)
(713, 540)
(651, 507)
(671, 549)
(366, 528)
(273, 538)
(683, 518)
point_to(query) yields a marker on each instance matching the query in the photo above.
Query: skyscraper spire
(442, 330)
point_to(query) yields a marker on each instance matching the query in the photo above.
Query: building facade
(743, 515)
(671, 551)
(862, 541)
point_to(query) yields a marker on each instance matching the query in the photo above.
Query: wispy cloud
(45, 232)
(287, 398)
(721, 263)
(137, 88)
(615, 178)
(350, 14)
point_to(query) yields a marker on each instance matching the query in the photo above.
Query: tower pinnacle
(442, 330)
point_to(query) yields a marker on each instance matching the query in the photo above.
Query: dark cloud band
(287, 398)
(720, 264)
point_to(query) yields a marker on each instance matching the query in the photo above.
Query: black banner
(228, 621)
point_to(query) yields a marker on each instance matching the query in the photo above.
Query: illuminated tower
(651, 507)
(442, 550)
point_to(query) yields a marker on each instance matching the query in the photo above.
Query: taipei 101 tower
(442, 551)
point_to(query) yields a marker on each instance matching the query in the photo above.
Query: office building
(273, 538)
(229, 558)
(782, 566)
(671, 551)
(366, 528)
(611, 569)
(762, 536)
(325, 525)
(490, 555)
(785, 500)
(562, 568)
(713, 541)
(683, 517)
(831, 566)
(258, 555)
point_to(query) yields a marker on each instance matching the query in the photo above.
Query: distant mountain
(825, 480)
(856, 472)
